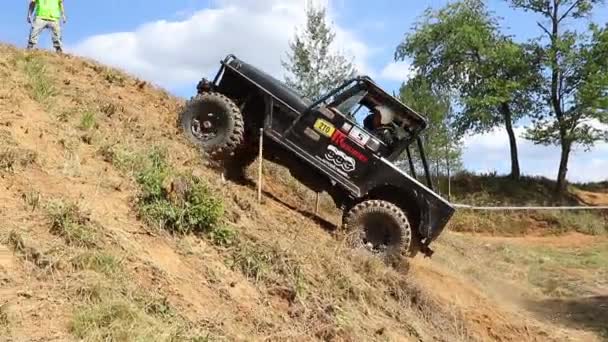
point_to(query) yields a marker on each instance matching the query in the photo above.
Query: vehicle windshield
(352, 103)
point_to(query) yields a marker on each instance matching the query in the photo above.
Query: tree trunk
(563, 167)
(556, 102)
(447, 162)
(507, 115)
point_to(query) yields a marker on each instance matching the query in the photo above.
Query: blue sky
(174, 43)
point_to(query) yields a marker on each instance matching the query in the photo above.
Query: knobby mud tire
(371, 217)
(231, 133)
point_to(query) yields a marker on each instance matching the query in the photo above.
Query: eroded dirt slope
(70, 130)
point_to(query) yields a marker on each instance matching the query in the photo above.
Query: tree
(576, 79)
(441, 145)
(459, 48)
(312, 68)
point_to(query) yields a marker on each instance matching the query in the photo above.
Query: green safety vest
(48, 9)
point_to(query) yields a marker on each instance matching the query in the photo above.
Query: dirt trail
(309, 287)
(597, 198)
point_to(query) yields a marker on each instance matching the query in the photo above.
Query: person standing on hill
(48, 13)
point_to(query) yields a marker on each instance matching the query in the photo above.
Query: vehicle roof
(300, 103)
(272, 85)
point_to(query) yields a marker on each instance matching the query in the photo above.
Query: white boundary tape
(471, 207)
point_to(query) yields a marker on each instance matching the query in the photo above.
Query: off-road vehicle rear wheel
(213, 122)
(380, 227)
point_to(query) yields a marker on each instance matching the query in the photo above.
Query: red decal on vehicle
(340, 139)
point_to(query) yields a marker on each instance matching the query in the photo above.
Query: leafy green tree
(312, 68)
(441, 145)
(459, 48)
(576, 78)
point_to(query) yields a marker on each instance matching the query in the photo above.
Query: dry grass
(97, 261)
(523, 223)
(124, 314)
(4, 318)
(489, 190)
(12, 159)
(29, 253)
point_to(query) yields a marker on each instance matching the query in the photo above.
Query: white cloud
(490, 152)
(179, 52)
(397, 71)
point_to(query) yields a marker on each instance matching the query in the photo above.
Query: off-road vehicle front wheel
(213, 122)
(380, 227)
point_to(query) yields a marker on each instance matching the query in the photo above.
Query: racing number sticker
(359, 136)
(324, 127)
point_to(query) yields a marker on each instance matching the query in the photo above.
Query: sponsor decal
(312, 134)
(332, 166)
(359, 136)
(324, 127)
(340, 159)
(341, 140)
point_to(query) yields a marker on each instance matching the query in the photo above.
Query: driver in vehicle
(378, 123)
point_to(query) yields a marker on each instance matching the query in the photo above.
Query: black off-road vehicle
(345, 143)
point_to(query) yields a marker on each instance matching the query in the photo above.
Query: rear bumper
(438, 214)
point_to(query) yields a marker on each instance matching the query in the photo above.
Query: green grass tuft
(41, 86)
(88, 120)
(253, 262)
(69, 222)
(97, 261)
(223, 236)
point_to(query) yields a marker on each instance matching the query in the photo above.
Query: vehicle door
(335, 141)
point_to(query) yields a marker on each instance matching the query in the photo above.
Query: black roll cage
(366, 81)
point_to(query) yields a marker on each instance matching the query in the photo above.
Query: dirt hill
(112, 228)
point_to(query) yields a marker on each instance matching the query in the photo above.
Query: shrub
(180, 204)
(194, 210)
